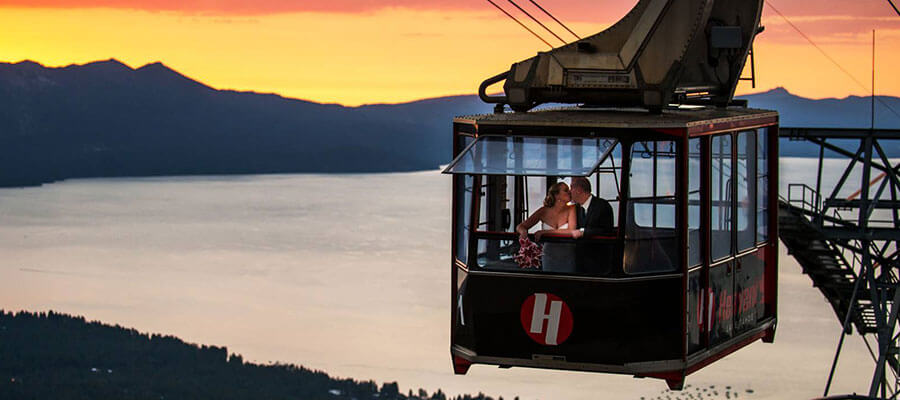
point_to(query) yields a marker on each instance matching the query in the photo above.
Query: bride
(556, 217)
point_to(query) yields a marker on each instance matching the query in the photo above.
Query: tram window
(536, 190)
(510, 155)
(650, 239)
(720, 197)
(463, 214)
(496, 203)
(746, 189)
(762, 187)
(606, 182)
(502, 194)
(463, 201)
(694, 255)
(496, 215)
(498, 254)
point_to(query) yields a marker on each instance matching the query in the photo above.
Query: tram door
(726, 272)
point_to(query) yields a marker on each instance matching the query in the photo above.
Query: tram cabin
(685, 274)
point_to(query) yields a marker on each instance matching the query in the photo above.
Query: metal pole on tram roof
(872, 126)
(819, 217)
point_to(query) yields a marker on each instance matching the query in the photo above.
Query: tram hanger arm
(661, 52)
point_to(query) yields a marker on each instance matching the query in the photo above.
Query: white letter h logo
(538, 317)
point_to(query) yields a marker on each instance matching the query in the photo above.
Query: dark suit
(594, 258)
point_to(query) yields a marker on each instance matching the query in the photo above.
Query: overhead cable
(560, 22)
(895, 7)
(520, 23)
(866, 88)
(817, 47)
(536, 21)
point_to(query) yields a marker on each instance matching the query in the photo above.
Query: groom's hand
(577, 234)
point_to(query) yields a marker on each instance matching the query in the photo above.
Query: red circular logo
(546, 319)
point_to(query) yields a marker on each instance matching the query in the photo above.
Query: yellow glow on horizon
(390, 56)
(394, 55)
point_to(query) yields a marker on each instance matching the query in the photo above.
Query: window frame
(715, 252)
(675, 253)
(451, 168)
(762, 185)
(745, 240)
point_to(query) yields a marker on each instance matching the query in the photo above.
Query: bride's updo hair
(550, 200)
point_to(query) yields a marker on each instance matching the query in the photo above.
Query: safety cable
(520, 23)
(895, 7)
(817, 46)
(558, 21)
(536, 21)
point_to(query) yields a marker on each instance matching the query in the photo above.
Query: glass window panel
(463, 201)
(606, 182)
(511, 155)
(746, 189)
(536, 191)
(694, 254)
(463, 214)
(665, 167)
(641, 170)
(643, 214)
(720, 197)
(665, 214)
(498, 254)
(497, 194)
(651, 243)
(762, 185)
(648, 214)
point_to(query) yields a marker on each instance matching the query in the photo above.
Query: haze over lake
(344, 273)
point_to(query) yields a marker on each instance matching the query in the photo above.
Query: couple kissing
(589, 216)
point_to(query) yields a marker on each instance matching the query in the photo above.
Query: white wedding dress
(558, 256)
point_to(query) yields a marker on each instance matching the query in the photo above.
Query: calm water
(345, 273)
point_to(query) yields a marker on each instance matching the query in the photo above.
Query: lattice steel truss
(845, 235)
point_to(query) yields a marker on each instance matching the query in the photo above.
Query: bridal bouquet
(529, 255)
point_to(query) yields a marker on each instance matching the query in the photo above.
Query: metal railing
(804, 197)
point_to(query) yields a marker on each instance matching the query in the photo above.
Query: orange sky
(362, 51)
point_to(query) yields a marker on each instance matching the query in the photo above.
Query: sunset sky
(363, 51)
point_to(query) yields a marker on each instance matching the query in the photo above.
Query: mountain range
(106, 119)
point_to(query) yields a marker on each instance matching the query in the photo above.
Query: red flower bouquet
(529, 256)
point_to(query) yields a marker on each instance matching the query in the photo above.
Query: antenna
(873, 80)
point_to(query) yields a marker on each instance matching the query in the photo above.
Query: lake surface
(344, 273)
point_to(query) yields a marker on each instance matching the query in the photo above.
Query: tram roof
(575, 117)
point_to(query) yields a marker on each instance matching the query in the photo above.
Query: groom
(594, 217)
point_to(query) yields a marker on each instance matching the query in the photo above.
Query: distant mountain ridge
(849, 112)
(106, 119)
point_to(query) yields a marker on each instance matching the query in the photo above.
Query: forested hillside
(57, 356)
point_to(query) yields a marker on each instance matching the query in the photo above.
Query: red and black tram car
(692, 257)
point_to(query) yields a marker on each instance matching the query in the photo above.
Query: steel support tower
(845, 234)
